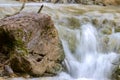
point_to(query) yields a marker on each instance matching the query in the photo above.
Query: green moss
(116, 73)
(62, 56)
(80, 12)
(107, 30)
(95, 21)
(106, 40)
(105, 21)
(72, 44)
(73, 22)
(29, 35)
(117, 29)
(20, 45)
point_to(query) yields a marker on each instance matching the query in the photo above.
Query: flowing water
(88, 62)
(91, 53)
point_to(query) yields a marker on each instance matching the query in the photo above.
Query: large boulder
(32, 44)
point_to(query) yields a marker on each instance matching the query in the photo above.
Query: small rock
(117, 29)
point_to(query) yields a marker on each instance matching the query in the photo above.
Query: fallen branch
(23, 5)
(40, 9)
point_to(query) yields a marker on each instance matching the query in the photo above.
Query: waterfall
(87, 62)
(79, 27)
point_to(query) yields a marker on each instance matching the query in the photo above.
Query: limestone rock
(32, 43)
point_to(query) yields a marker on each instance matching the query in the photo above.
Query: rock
(114, 44)
(85, 20)
(87, 2)
(107, 30)
(1, 78)
(105, 21)
(116, 74)
(109, 2)
(78, 1)
(95, 21)
(32, 43)
(117, 29)
(104, 43)
(73, 23)
(8, 71)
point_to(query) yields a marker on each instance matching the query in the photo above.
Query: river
(88, 34)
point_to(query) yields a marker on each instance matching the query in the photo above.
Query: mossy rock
(71, 38)
(117, 29)
(106, 30)
(104, 42)
(105, 21)
(95, 21)
(32, 42)
(73, 23)
(116, 74)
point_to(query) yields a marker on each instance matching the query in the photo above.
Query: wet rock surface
(86, 2)
(30, 42)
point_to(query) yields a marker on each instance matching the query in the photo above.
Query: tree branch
(23, 5)
(41, 7)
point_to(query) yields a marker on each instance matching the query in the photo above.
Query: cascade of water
(87, 62)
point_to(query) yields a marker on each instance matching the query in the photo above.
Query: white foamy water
(87, 63)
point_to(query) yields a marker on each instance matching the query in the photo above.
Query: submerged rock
(117, 29)
(32, 44)
(106, 30)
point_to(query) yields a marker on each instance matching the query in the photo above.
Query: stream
(89, 34)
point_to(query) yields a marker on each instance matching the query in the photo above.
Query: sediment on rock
(30, 42)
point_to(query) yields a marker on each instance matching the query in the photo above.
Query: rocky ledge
(86, 2)
(29, 44)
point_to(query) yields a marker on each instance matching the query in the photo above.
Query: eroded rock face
(88, 2)
(33, 44)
